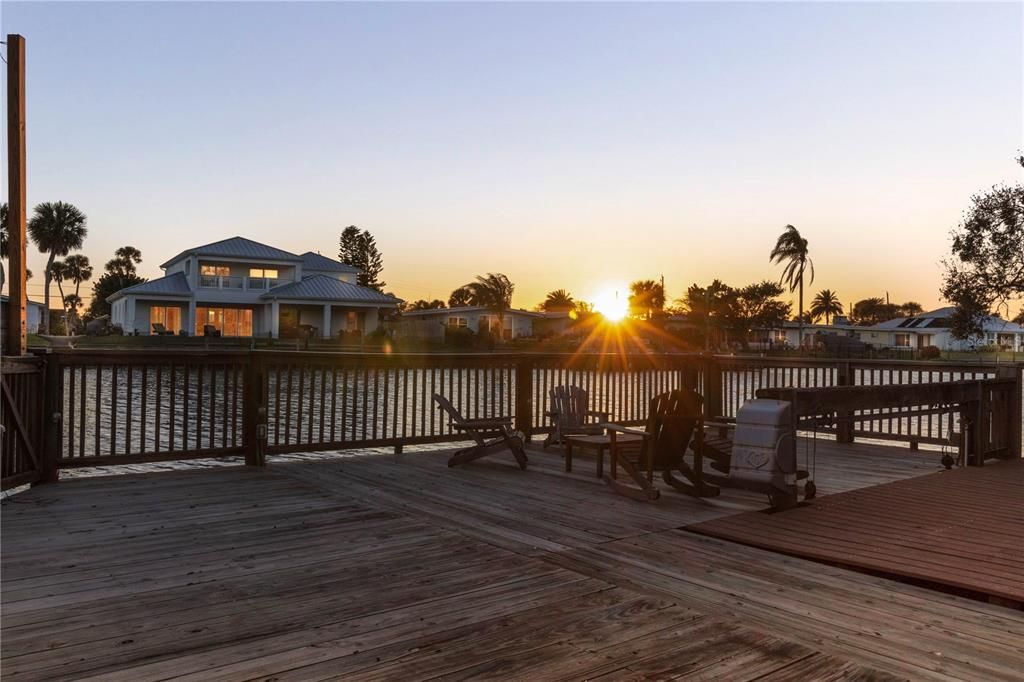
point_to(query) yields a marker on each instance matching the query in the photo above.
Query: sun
(612, 304)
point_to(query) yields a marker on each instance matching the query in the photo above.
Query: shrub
(459, 337)
(931, 353)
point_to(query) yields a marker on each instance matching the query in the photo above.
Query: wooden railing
(983, 406)
(742, 377)
(145, 405)
(21, 421)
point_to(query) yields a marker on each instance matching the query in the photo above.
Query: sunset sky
(575, 146)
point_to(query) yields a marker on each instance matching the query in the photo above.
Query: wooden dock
(963, 529)
(370, 566)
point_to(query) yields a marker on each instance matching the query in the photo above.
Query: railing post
(712, 386)
(844, 426)
(254, 413)
(52, 419)
(1015, 415)
(524, 397)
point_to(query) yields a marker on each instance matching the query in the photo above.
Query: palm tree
(58, 273)
(57, 228)
(494, 292)
(826, 304)
(791, 249)
(646, 297)
(77, 269)
(558, 300)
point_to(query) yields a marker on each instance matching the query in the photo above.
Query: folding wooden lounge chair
(488, 434)
(675, 423)
(570, 417)
(160, 330)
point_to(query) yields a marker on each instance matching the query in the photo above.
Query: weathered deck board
(962, 528)
(375, 567)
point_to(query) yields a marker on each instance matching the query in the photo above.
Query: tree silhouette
(460, 298)
(359, 249)
(425, 305)
(791, 250)
(558, 300)
(826, 304)
(494, 292)
(119, 272)
(646, 298)
(986, 267)
(57, 228)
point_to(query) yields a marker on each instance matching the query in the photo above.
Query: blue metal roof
(238, 247)
(172, 285)
(314, 261)
(324, 288)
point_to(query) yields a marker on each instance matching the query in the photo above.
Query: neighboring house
(33, 316)
(553, 323)
(244, 288)
(902, 333)
(932, 329)
(517, 323)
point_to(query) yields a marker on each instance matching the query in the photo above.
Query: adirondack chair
(570, 417)
(160, 330)
(675, 423)
(488, 434)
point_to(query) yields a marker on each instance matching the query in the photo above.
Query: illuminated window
(902, 340)
(228, 321)
(263, 272)
(168, 316)
(458, 322)
(215, 270)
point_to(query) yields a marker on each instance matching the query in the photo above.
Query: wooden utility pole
(16, 342)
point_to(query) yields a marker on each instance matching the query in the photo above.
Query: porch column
(275, 318)
(190, 321)
(325, 330)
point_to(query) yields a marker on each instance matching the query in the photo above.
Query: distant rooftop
(237, 247)
(175, 284)
(327, 288)
(314, 261)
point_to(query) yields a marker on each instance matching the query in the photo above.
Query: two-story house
(240, 287)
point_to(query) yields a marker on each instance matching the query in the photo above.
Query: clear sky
(567, 145)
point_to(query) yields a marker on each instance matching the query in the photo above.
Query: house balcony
(239, 283)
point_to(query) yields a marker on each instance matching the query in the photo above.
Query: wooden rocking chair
(570, 417)
(675, 422)
(488, 434)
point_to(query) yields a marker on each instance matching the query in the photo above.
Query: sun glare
(612, 304)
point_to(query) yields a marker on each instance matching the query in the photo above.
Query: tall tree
(359, 249)
(646, 298)
(118, 273)
(791, 250)
(757, 306)
(58, 273)
(1020, 317)
(558, 300)
(826, 304)
(461, 297)
(494, 292)
(713, 307)
(77, 269)
(57, 228)
(986, 267)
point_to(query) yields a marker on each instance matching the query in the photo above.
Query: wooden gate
(21, 421)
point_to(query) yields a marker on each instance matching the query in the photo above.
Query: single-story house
(33, 315)
(932, 329)
(553, 322)
(239, 287)
(908, 333)
(517, 323)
